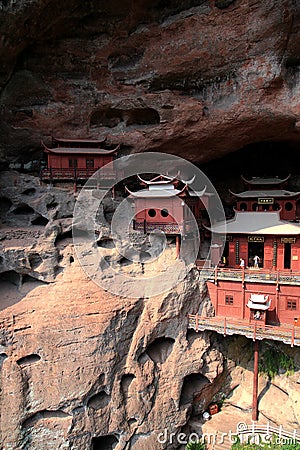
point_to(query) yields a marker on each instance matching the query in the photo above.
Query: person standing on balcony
(242, 263)
(256, 260)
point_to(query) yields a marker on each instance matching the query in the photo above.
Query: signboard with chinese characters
(288, 240)
(265, 201)
(256, 239)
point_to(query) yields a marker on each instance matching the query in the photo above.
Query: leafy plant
(272, 361)
(196, 445)
(272, 445)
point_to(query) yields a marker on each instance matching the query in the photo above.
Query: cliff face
(194, 77)
(83, 369)
(80, 368)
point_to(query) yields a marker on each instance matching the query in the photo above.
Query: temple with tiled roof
(76, 159)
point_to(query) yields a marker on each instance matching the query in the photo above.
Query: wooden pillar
(255, 383)
(243, 293)
(177, 246)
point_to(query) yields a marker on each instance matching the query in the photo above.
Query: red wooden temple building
(262, 256)
(168, 204)
(76, 159)
(256, 291)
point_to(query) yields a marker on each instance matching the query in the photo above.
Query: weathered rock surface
(189, 77)
(79, 363)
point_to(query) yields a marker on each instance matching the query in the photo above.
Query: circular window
(243, 207)
(164, 213)
(152, 212)
(288, 206)
(254, 206)
(276, 207)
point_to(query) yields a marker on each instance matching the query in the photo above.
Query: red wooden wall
(279, 312)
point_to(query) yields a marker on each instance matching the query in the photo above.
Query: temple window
(164, 213)
(89, 163)
(288, 206)
(276, 207)
(152, 212)
(72, 163)
(254, 206)
(228, 300)
(243, 207)
(291, 305)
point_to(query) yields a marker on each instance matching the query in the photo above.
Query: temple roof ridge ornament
(265, 180)
(60, 140)
(73, 150)
(264, 193)
(163, 192)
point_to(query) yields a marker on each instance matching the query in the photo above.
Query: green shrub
(197, 445)
(272, 361)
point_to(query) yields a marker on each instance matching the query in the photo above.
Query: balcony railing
(284, 333)
(250, 275)
(74, 174)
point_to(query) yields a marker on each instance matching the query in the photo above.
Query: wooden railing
(250, 275)
(74, 174)
(248, 433)
(257, 331)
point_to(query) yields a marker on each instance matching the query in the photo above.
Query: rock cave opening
(107, 442)
(131, 421)
(160, 349)
(142, 116)
(112, 117)
(192, 385)
(6, 204)
(125, 261)
(23, 209)
(11, 277)
(64, 238)
(3, 357)
(126, 381)
(44, 414)
(29, 279)
(51, 205)
(98, 401)
(28, 360)
(107, 117)
(40, 220)
(106, 243)
(30, 192)
(35, 260)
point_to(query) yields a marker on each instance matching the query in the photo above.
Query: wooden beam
(255, 383)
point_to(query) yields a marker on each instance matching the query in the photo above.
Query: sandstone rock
(179, 77)
(110, 385)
